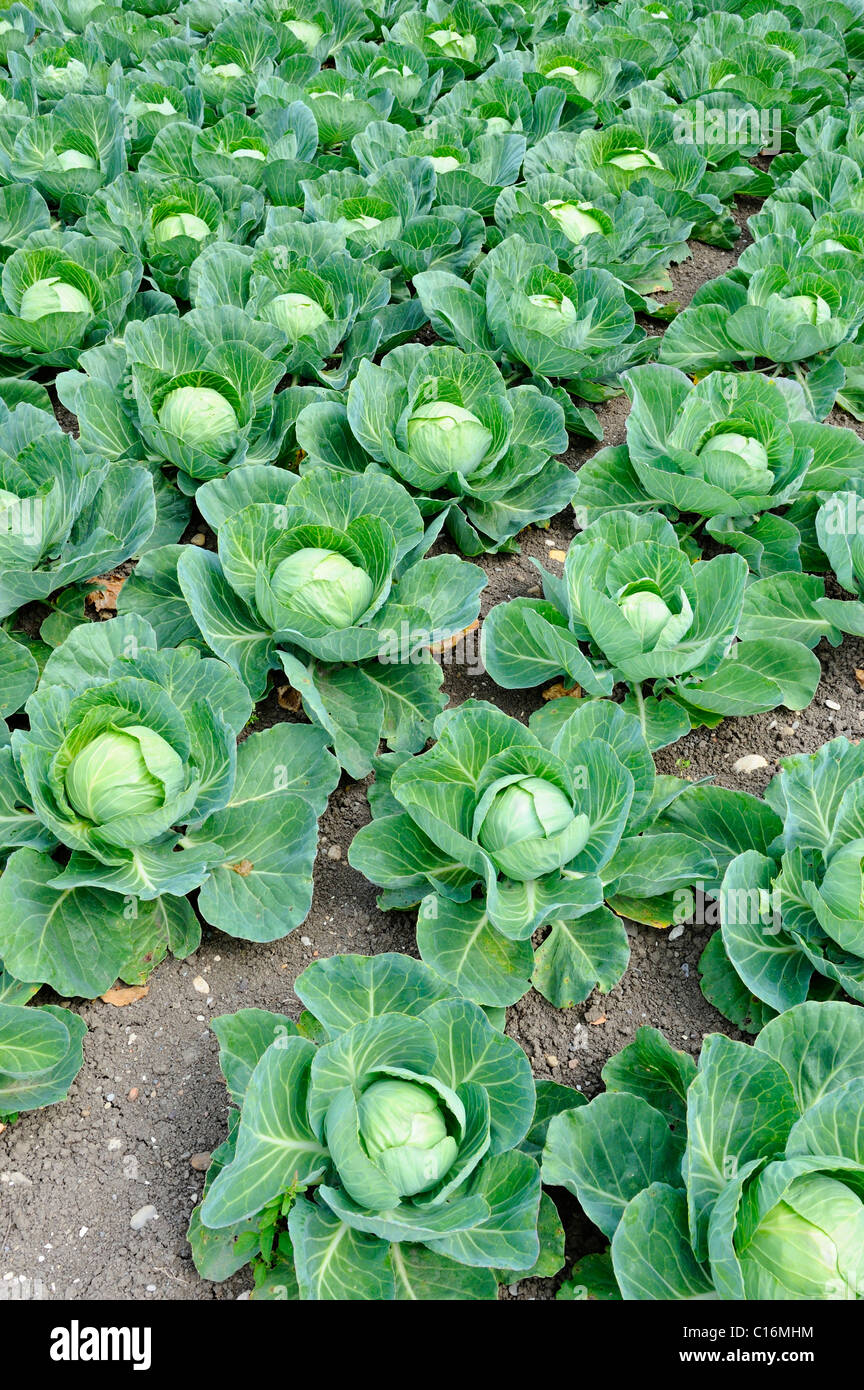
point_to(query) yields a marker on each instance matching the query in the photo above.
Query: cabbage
(808, 1246)
(123, 772)
(296, 314)
(181, 224)
(448, 438)
(808, 308)
(363, 222)
(404, 1132)
(156, 108)
(586, 83)
(736, 463)
(323, 584)
(631, 159)
(75, 159)
(198, 415)
(454, 44)
(53, 296)
(646, 611)
(305, 31)
(444, 163)
(574, 219)
(554, 312)
(67, 77)
(529, 828)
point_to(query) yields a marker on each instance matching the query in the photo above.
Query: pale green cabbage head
(295, 314)
(75, 159)
(635, 159)
(736, 463)
(529, 809)
(448, 438)
(810, 1245)
(306, 31)
(454, 44)
(444, 163)
(181, 224)
(808, 308)
(554, 313)
(587, 83)
(68, 77)
(323, 584)
(52, 296)
(199, 415)
(574, 219)
(647, 612)
(363, 222)
(404, 1131)
(123, 772)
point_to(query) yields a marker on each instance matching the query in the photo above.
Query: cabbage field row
(329, 288)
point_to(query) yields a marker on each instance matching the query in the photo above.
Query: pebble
(200, 985)
(305, 941)
(200, 1162)
(832, 704)
(140, 1218)
(752, 762)
(334, 852)
(676, 932)
(551, 1059)
(131, 1171)
(133, 1094)
(16, 1179)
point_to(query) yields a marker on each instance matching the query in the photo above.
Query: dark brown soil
(150, 1095)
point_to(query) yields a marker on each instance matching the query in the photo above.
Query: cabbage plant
(644, 151)
(578, 329)
(471, 166)
(324, 301)
(791, 914)
(65, 515)
(634, 237)
(126, 792)
(40, 1050)
(62, 293)
(777, 308)
(738, 451)
(475, 453)
(71, 152)
(398, 68)
(633, 609)
(198, 393)
(320, 578)
(170, 220)
(500, 101)
(739, 1180)
(499, 831)
(381, 1149)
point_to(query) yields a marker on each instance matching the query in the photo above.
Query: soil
(150, 1097)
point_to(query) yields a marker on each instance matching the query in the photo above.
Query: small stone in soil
(140, 1218)
(752, 762)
